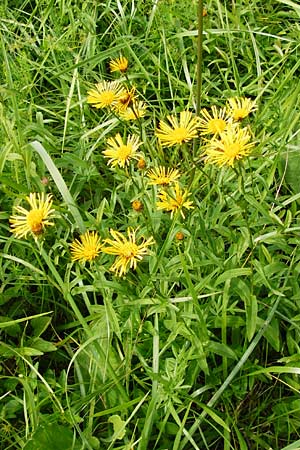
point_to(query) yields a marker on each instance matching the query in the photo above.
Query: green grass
(199, 347)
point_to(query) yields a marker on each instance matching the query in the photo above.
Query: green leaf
(39, 325)
(12, 330)
(251, 316)
(42, 345)
(118, 425)
(60, 183)
(233, 273)
(277, 369)
(28, 351)
(272, 333)
(221, 349)
(214, 416)
(294, 446)
(51, 437)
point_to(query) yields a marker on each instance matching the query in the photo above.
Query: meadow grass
(196, 345)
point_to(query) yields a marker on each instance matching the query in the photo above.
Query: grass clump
(150, 247)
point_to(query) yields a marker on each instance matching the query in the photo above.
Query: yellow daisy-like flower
(126, 100)
(239, 108)
(231, 146)
(87, 248)
(119, 64)
(106, 94)
(36, 219)
(179, 131)
(163, 176)
(213, 123)
(136, 110)
(174, 200)
(121, 153)
(128, 252)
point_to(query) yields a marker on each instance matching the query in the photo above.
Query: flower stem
(199, 54)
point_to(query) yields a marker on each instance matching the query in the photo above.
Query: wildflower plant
(149, 225)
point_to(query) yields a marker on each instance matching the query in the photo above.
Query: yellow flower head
(179, 131)
(126, 100)
(174, 200)
(106, 94)
(121, 153)
(141, 164)
(137, 205)
(36, 219)
(239, 108)
(136, 110)
(128, 252)
(213, 123)
(163, 176)
(232, 145)
(87, 248)
(119, 64)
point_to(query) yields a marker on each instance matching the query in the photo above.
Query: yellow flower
(36, 219)
(106, 94)
(119, 64)
(174, 200)
(136, 110)
(126, 100)
(180, 131)
(121, 153)
(87, 248)
(239, 108)
(128, 252)
(213, 123)
(232, 145)
(163, 176)
(141, 164)
(137, 205)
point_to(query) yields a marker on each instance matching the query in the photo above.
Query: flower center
(35, 221)
(240, 113)
(90, 252)
(163, 180)
(179, 135)
(129, 250)
(233, 150)
(216, 125)
(107, 97)
(124, 152)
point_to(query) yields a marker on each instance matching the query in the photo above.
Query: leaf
(272, 333)
(42, 345)
(60, 183)
(51, 437)
(12, 330)
(214, 416)
(221, 349)
(28, 351)
(118, 425)
(233, 273)
(39, 325)
(251, 316)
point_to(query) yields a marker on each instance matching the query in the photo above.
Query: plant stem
(199, 54)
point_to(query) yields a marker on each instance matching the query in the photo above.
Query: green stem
(199, 54)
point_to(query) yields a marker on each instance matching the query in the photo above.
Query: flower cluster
(229, 141)
(126, 249)
(116, 96)
(226, 141)
(89, 246)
